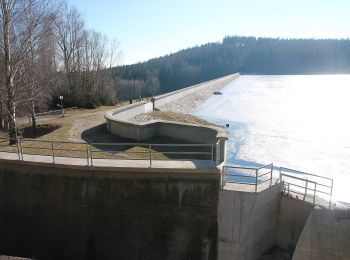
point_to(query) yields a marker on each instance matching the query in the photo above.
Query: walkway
(162, 164)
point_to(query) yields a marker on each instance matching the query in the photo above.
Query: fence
(247, 175)
(110, 151)
(310, 186)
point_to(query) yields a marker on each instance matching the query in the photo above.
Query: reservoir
(300, 122)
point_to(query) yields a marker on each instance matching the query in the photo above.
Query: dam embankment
(75, 212)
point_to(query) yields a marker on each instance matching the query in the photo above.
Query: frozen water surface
(299, 122)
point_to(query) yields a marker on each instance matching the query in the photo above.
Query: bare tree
(21, 30)
(70, 37)
(84, 57)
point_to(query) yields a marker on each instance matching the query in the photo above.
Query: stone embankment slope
(188, 103)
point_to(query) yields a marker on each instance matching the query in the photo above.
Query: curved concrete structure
(118, 122)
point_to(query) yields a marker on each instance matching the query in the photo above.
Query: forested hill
(247, 55)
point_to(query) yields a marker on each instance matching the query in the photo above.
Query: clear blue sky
(152, 28)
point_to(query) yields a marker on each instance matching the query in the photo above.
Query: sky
(151, 28)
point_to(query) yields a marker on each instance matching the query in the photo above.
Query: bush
(88, 100)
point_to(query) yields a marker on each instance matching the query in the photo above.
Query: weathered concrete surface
(186, 100)
(247, 223)
(163, 164)
(71, 212)
(293, 214)
(325, 236)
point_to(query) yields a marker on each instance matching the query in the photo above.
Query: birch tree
(21, 30)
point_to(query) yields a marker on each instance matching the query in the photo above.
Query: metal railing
(113, 151)
(247, 175)
(309, 186)
(54, 112)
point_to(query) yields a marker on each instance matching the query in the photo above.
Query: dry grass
(57, 132)
(179, 117)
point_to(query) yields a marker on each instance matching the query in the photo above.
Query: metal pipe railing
(253, 177)
(298, 183)
(95, 151)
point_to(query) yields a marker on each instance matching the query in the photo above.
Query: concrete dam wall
(75, 212)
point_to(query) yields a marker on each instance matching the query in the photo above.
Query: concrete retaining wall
(326, 236)
(247, 223)
(71, 212)
(293, 214)
(132, 110)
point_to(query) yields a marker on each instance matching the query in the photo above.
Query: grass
(179, 117)
(56, 132)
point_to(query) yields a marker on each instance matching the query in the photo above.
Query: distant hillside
(247, 55)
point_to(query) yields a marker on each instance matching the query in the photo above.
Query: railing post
(330, 195)
(222, 177)
(212, 155)
(92, 164)
(271, 175)
(256, 180)
(314, 193)
(53, 152)
(18, 149)
(280, 177)
(21, 148)
(87, 154)
(150, 156)
(306, 186)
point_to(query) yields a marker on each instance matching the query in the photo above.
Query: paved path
(162, 164)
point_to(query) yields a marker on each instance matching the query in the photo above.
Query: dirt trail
(86, 121)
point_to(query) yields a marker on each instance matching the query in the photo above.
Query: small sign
(61, 97)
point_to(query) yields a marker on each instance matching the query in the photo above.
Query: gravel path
(83, 122)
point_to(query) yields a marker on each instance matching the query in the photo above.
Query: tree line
(247, 55)
(47, 52)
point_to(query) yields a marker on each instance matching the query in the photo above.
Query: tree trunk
(1, 118)
(6, 123)
(32, 112)
(11, 105)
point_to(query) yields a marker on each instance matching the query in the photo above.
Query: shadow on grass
(42, 129)
(99, 134)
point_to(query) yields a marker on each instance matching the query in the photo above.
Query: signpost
(61, 98)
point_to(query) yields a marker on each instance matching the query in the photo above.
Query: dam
(94, 207)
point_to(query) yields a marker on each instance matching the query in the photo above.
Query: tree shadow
(99, 134)
(42, 129)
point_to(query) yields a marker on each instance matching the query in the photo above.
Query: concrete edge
(235, 75)
(110, 169)
(220, 132)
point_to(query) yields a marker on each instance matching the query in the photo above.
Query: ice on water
(300, 122)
